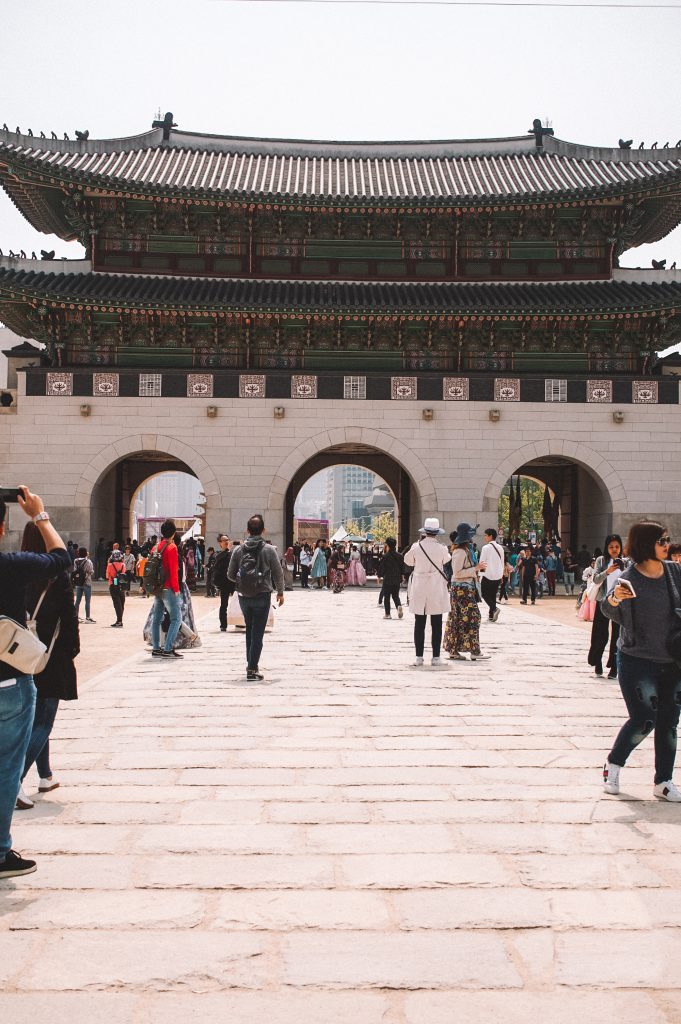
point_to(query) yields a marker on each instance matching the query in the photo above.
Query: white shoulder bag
(20, 645)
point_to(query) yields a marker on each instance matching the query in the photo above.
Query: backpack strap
(433, 563)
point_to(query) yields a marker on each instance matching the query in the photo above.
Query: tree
(532, 494)
(383, 526)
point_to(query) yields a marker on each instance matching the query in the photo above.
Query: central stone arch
(360, 443)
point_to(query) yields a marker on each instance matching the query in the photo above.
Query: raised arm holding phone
(17, 689)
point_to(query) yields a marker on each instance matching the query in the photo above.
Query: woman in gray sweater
(649, 677)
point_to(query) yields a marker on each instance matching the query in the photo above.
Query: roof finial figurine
(539, 131)
(666, 145)
(641, 145)
(83, 136)
(4, 126)
(654, 145)
(66, 137)
(43, 135)
(46, 255)
(659, 264)
(22, 253)
(18, 130)
(167, 124)
(33, 255)
(673, 266)
(625, 143)
(53, 135)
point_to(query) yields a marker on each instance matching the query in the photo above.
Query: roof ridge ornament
(167, 124)
(539, 131)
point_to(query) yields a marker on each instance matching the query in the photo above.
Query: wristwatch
(41, 517)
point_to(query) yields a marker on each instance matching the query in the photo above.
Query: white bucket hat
(431, 527)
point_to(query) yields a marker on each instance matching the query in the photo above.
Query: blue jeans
(569, 581)
(652, 693)
(39, 744)
(255, 611)
(87, 590)
(171, 601)
(17, 703)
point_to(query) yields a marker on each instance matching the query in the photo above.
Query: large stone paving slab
(354, 840)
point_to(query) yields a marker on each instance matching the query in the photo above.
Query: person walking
(570, 567)
(116, 575)
(17, 689)
(427, 590)
(81, 578)
(130, 563)
(255, 570)
(305, 559)
(551, 569)
(463, 623)
(607, 571)
(390, 573)
(167, 594)
(644, 604)
(57, 627)
(220, 580)
(492, 555)
(528, 567)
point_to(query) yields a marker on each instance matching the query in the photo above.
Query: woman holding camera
(643, 603)
(607, 570)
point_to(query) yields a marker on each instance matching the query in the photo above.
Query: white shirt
(493, 555)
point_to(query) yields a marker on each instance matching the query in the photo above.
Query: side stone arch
(134, 443)
(376, 439)
(584, 456)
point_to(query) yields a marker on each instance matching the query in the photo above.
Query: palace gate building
(250, 311)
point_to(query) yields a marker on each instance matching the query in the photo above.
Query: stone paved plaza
(355, 841)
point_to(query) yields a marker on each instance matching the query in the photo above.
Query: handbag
(21, 647)
(674, 638)
(594, 589)
(433, 564)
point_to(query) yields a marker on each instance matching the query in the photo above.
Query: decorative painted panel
(200, 385)
(455, 389)
(599, 391)
(644, 392)
(150, 385)
(252, 385)
(507, 389)
(303, 386)
(403, 388)
(105, 385)
(59, 384)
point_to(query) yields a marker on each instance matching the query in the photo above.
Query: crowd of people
(635, 589)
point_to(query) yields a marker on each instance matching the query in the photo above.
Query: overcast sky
(331, 71)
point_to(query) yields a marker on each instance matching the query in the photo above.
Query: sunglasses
(664, 541)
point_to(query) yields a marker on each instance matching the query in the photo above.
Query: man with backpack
(81, 578)
(255, 569)
(161, 578)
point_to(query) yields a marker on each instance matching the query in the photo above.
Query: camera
(10, 494)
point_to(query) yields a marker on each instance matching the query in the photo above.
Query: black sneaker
(223, 629)
(14, 864)
(157, 653)
(171, 654)
(254, 675)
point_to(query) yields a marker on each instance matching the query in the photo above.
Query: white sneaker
(496, 615)
(400, 613)
(436, 662)
(481, 657)
(47, 785)
(457, 657)
(24, 803)
(418, 661)
(611, 779)
(667, 791)
(387, 616)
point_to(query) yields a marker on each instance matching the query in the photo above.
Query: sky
(339, 72)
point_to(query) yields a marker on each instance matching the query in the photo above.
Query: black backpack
(154, 573)
(251, 573)
(78, 574)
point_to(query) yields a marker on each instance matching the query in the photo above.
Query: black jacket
(58, 679)
(220, 567)
(18, 571)
(391, 568)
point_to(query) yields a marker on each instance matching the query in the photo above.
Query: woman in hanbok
(319, 570)
(356, 575)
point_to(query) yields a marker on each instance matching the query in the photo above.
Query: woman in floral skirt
(463, 625)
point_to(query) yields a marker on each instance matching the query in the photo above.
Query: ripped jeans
(652, 693)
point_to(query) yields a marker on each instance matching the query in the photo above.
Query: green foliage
(532, 494)
(383, 526)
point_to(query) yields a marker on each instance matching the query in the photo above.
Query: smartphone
(627, 585)
(10, 494)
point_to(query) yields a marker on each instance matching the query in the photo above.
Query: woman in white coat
(428, 591)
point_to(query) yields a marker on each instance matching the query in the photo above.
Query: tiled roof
(344, 297)
(503, 169)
